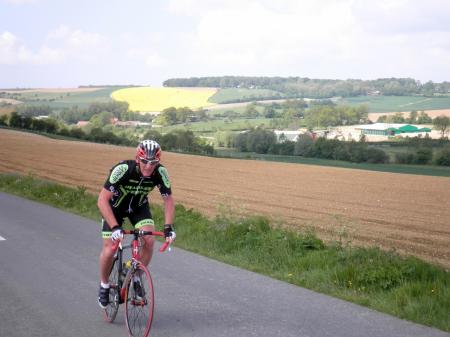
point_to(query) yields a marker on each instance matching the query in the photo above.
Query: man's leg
(105, 263)
(148, 243)
(106, 259)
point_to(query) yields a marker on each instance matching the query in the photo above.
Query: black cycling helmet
(149, 150)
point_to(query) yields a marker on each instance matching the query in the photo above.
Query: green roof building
(388, 129)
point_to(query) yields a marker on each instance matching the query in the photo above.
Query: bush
(3, 119)
(285, 148)
(304, 145)
(327, 148)
(358, 152)
(377, 156)
(404, 158)
(423, 155)
(443, 157)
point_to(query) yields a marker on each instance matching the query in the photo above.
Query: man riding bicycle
(125, 195)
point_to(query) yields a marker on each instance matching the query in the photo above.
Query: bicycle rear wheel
(139, 304)
(114, 289)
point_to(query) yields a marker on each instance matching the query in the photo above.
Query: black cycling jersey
(130, 189)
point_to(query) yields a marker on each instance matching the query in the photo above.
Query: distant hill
(303, 87)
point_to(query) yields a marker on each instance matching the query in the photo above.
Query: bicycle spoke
(139, 303)
(113, 306)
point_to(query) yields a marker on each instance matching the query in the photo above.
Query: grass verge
(405, 287)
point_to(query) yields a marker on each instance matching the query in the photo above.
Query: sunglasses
(149, 161)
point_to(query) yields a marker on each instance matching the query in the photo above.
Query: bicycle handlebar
(141, 233)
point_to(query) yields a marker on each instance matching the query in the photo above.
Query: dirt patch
(6, 110)
(9, 101)
(408, 213)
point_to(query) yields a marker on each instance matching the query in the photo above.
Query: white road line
(2, 238)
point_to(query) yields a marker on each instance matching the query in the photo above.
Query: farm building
(284, 135)
(389, 129)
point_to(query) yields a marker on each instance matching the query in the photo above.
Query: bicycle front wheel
(139, 304)
(114, 289)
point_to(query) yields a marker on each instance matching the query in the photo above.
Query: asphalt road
(49, 282)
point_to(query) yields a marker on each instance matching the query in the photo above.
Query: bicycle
(131, 283)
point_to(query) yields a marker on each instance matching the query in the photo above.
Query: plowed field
(408, 213)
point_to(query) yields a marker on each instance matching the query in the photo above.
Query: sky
(67, 43)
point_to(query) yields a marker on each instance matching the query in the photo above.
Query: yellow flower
(152, 99)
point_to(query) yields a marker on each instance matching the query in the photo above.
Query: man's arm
(169, 209)
(105, 208)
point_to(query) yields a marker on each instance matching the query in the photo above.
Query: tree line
(413, 118)
(72, 115)
(172, 116)
(178, 140)
(263, 141)
(317, 88)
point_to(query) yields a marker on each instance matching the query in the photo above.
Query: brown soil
(9, 101)
(408, 213)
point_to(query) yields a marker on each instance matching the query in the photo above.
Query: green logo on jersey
(118, 173)
(165, 176)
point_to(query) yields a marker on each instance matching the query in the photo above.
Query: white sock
(104, 285)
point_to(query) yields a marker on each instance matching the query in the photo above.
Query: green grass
(62, 100)
(429, 170)
(405, 287)
(243, 94)
(238, 124)
(223, 109)
(399, 103)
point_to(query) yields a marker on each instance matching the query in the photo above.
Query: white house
(284, 135)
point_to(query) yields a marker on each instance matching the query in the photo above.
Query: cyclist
(125, 195)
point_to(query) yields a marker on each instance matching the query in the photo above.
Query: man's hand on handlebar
(117, 234)
(169, 233)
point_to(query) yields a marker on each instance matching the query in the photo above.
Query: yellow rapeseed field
(157, 99)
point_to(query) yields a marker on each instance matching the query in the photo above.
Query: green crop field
(218, 125)
(66, 99)
(242, 94)
(399, 103)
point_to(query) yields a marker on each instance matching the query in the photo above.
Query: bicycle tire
(110, 312)
(139, 307)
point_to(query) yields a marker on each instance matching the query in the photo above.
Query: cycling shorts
(138, 218)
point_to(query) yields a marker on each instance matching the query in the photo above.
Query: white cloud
(13, 51)
(144, 49)
(254, 33)
(328, 38)
(146, 56)
(61, 45)
(78, 44)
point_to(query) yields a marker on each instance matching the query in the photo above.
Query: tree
(153, 134)
(423, 155)
(256, 140)
(101, 119)
(251, 111)
(423, 118)
(3, 119)
(443, 157)
(442, 124)
(396, 118)
(304, 145)
(412, 117)
(269, 111)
